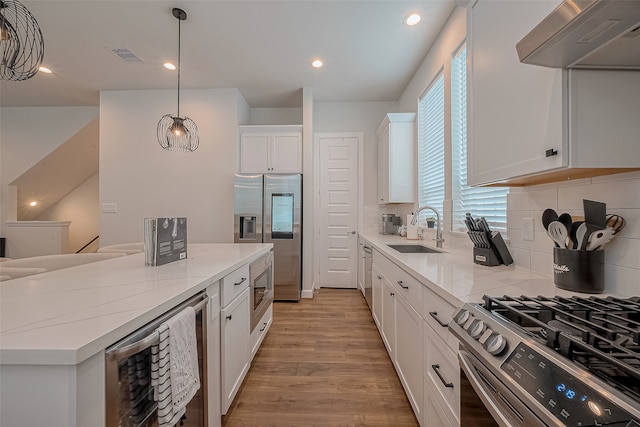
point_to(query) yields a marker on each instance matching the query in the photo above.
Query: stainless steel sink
(414, 249)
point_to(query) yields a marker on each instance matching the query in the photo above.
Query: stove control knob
(495, 344)
(476, 329)
(461, 317)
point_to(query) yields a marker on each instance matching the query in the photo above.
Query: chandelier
(178, 133)
(20, 42)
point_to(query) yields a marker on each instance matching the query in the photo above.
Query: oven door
(487, 401)
(261, 282)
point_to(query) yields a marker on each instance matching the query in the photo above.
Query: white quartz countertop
(455, 277)
(64, 317)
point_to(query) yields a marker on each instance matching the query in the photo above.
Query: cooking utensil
(572, 235)
(600, 238)
(581, 233)
(558, 233)
(566, 220)
(616, 222)
(595, 216)
(548, 216)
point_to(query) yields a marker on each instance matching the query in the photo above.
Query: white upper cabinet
(397, 158)
(270, 149)
(529, 124)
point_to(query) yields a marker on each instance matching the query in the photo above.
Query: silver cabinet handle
(402, 285)
(436, 368)
(434, 314)
(351, 232)
(240, 282)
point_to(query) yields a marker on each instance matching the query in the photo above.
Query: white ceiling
(263, 48)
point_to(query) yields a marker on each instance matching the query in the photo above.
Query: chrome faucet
(414, 220)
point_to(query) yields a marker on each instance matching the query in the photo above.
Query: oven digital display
(566, 397)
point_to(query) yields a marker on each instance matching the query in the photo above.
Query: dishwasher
(368, 264)
(129, 393)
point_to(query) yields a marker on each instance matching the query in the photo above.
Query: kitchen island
(55, 326)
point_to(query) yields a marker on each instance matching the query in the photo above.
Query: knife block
(497, 253)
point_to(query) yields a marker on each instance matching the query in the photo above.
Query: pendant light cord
(179, 44)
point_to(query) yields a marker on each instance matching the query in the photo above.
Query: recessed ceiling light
(45, 70)
(33, 204)
(169, 66)
(413, 19)
(317, 63)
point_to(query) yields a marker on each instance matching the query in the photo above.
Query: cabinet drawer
(436, 412)
(406, 285)
(438, 313)
(442, 369)
(258, 334)
(234, 283)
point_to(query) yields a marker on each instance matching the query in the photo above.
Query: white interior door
(338, 212)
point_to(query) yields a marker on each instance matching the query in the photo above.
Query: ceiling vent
(125, 54)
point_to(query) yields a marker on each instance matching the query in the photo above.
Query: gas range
(553, 361)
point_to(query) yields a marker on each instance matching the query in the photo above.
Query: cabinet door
(213, 355)
(286, 153)
(388, 330)
(408, 354)
(376, 284)
(383, 166)
(515, 109)
(235, 347)
(254, 153)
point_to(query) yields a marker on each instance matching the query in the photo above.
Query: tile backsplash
(621, 193)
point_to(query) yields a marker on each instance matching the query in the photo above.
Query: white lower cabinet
(412, 321)
(388, 329)
(376, 285)
(442, 371)
(213, 356)
(260, 331)
(434, 415)
(408, 355)
(235, 350)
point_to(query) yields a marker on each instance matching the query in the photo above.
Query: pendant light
(20, 42)
(178, 133)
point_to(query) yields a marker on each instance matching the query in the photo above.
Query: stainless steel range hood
(600, 34)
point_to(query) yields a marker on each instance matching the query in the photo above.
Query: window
(488, 202)
(431, 146)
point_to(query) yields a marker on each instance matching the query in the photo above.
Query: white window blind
(488, 202)
(431, 147)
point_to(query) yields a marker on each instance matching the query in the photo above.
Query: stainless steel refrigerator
(268, 209)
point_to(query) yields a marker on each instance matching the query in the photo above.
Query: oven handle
(481, 389)
(151, 339)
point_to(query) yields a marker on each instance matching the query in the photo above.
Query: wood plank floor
(322, 363)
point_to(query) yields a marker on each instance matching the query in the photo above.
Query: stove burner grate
(600, 334)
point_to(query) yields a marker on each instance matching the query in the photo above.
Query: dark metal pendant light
(178, 133)
(21, 42)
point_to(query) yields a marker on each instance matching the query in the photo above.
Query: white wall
(358, 117)
(621, 192)
(27, 134)
(81, 208)
(146, 181)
